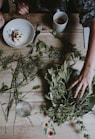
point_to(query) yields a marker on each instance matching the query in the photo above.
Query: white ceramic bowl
(18, 33)
(23, 109)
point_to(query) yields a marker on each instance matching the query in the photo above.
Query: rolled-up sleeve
(86, 9)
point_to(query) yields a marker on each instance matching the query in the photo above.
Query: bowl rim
(17, 19)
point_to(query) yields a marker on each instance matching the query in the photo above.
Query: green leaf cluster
(64, 106)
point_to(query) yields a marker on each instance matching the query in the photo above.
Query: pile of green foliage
(63, 106)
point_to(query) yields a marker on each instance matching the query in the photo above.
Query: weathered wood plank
(35, 132)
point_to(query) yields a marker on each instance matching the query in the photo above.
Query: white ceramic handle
(58, 10)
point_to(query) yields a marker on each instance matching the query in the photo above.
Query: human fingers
(26, 6)
(72, 85)
(78, 89)
(90, 89)
(82, 90)
(23, 8)
(22, 4)
(23, 11)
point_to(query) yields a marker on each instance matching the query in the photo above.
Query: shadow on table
(47, 19)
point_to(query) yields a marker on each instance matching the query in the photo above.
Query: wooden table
(23, 129)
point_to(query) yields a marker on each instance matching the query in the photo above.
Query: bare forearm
(86, 76)
(90, 58)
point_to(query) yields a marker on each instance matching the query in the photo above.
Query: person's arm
(86, 11)
(2, 20)
(85, 78)
(1, 3)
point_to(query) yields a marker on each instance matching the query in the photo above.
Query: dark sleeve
(17, 1)
(32, 4)
(5, 7)
(86, 9)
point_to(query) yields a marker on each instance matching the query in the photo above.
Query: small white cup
(60, 20)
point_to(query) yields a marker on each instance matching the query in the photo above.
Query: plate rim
(10, 28)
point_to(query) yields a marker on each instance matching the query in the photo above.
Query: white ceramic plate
(18, 33)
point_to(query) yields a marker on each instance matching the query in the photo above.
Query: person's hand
(22, 8)
(2, 20)
(82, 83)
